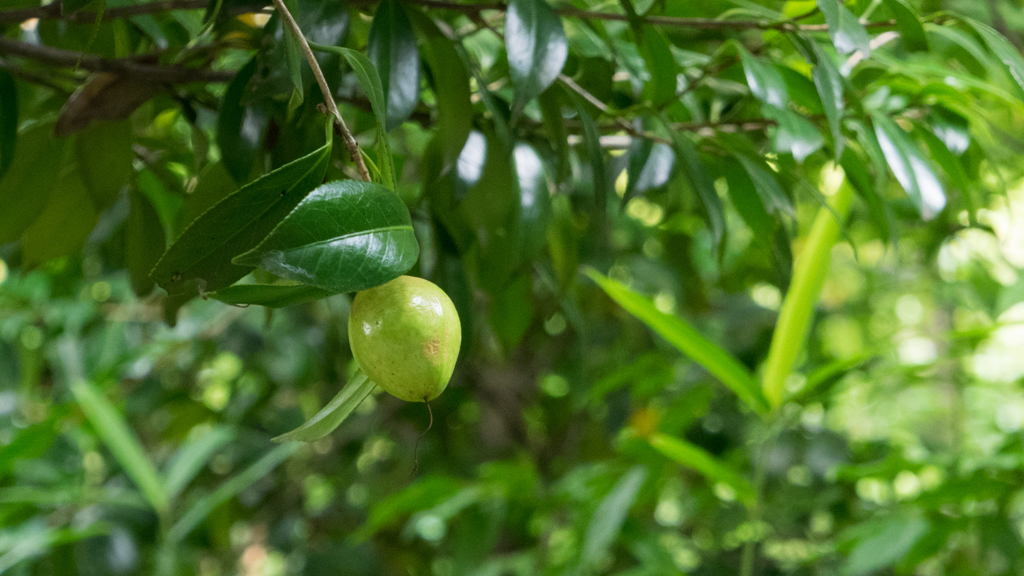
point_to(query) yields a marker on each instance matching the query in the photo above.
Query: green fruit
(405, 335)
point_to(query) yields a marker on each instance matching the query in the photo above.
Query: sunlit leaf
(536, 47)
(910, 167)
(829, 83)
(846, 31)
(698, 459)
(336, 411)
(766, 83)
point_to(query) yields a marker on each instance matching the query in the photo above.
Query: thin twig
(52, 11)
(124, 66)
(350, 142)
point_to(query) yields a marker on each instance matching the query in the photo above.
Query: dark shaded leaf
(910, 168)
(344, 236)
(865, 185)
(450, 82)
(8, 121)
(294, 58)
(846, 31)
(768, 188)
(332, 415)
(144, 242)
(595, 155)
(829, 83)
(661, 64)
(554, 125)
(705, 188)
(911, 30)
(536, 47)
(200, 259)
(192, 457)
(63, 225)
(392, 49)
(104, 154)
(36, 165)
(269, 295)
(240, 128)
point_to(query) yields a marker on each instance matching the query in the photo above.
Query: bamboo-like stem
(346, 136)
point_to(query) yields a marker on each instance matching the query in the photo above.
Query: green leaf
(36, 165)
(392, 49)
(702, 184)
(694, 457)
(829, 83)
(846, 31)
(229, 489)
(450, 82)
(8, 121)
(661, 64)
(765, 82)
(200, 259)
(611, 513)
(534, 210)
(750, 204)
(370, 82)
(595, 155)
(104, 154)
(951, 165)
(336, 411)
(910, 167)
(144, 242)
(911, 30)
(294, 58)
(121, 442)
(1003, 50)
(790, 335)
(536, 47)
(345, 236)
(190, 459)
(885, 543)
(687, 340)
(240, 128)
(794, 134)
(269, 295)
(64, 224)
(650, 167)
(554, 126)
(857, 174)
(768, 188)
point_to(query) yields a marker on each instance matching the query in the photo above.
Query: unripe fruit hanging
(405, 335)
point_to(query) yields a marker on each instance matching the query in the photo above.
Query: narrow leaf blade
(536, 46)
(332, 415)
(698, 459)
(846, 31)
(392, 49)
(269, 295)
(190, 458)
(611, 514)
(8, 121)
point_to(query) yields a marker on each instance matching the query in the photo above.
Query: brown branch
(33, 77)
(350, 142)
(53, 12)
(125, 66)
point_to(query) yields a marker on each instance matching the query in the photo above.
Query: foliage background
(572, 439)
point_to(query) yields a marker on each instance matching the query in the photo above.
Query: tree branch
(52, 11)
(125, 66)
(350, 142)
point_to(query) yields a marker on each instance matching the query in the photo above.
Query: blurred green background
(563, 444)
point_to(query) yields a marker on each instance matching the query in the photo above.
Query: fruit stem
(416, 448)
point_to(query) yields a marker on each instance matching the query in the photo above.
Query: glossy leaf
(536, 46)
(702, 184)
(765, 82)
(200, 259)
(336, 411)
(651, 170)
(192, 457)
(846, 31)
(450, 82)
(64, 224)
(36, 165)
(240, 128)
(661, 65)
(687, 340)
(269, 295)
(392, 49)
(8, 121)
(794, 134)
(104, 154)
(691, 456)
(829, 84)
(534, 200)
(203, 507)
(344, 236)
(909, 24)
(609, 516)
(910, 168)
(144, 242)
(944, 157)
(122, 442)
